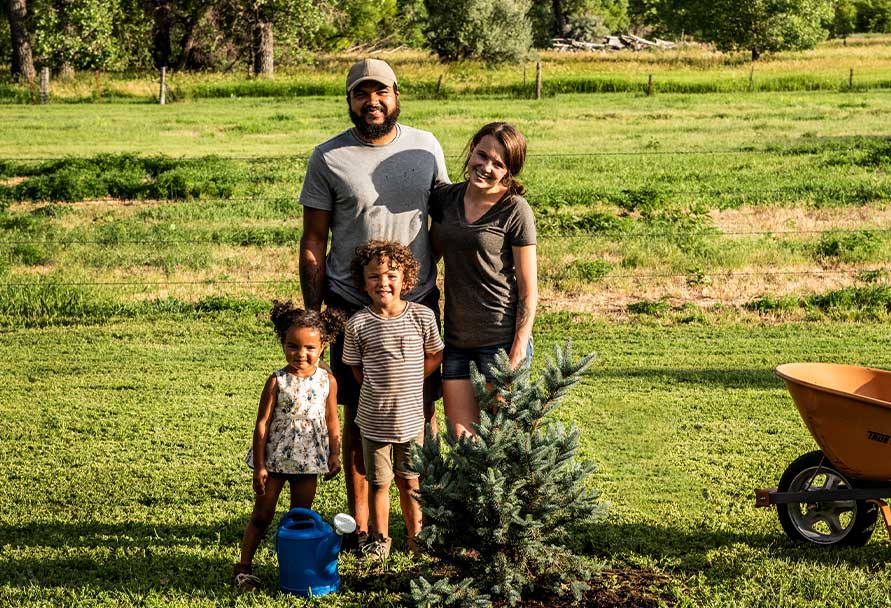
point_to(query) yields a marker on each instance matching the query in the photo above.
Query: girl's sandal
(246, 583)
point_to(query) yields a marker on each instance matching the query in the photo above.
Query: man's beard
(373, 131)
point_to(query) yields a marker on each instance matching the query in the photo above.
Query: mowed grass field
(694, 240)
(123, 481)
(712, 200)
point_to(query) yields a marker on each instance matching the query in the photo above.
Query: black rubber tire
(863, 514)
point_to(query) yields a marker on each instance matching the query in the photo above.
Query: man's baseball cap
(370, 69)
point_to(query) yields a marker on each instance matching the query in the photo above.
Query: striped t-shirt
(391, 353)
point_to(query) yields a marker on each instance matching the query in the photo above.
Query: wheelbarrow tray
(847, 409)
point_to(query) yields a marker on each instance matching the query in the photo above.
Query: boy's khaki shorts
(384, 460)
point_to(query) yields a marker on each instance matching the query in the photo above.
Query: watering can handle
(301, 513)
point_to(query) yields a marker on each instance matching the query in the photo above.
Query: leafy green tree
(844, 19)
(411, 21)
(873, 16)
(580, 19)
(79, 34)
(756, 25)
(494, 31)
(499, 507)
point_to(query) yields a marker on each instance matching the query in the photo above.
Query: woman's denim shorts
(456, 361)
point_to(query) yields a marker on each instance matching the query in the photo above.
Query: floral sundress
(297, 441)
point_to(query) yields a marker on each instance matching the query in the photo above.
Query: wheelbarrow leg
(886, 512)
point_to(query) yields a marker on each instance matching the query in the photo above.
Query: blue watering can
(307, 549)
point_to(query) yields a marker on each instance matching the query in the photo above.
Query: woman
(485, 231)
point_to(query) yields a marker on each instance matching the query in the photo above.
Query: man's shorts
(385, 460)
(456, 361)
(347, 387)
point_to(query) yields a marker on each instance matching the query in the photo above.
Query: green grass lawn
(123, 481)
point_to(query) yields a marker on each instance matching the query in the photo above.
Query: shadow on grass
(723, 377)
(125, 557)
(694, 551)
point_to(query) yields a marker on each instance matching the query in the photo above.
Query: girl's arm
(261, 431)
(333, 424)
(526, 271)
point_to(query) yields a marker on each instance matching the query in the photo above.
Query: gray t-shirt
(375, 192)
(480, 279)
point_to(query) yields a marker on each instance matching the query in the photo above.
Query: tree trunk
(263, 48)
(22, 60)
(559, 18)
(162, 24)
(756, 54)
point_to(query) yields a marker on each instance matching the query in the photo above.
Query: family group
(379, 211)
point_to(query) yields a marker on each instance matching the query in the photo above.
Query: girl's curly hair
(396, 255)
(284, 316)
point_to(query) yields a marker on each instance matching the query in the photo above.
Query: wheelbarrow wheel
(837, 523)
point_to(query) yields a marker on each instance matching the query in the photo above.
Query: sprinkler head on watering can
(344, 524)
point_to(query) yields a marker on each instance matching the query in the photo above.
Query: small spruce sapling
(499, 506)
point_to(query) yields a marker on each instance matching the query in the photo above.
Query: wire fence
(797, 150)
(697, 274)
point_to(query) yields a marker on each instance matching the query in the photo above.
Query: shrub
(653, 308)
(770, 304)
(589, 270)
(846, 246)
(500, 506)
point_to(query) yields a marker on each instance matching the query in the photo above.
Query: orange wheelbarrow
(833, 496)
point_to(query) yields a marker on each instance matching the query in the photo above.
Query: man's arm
(313, 245)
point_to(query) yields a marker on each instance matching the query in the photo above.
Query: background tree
(499, 507)
(755, 25)
(494, 31)
(76, 34)
(844, 19)
(21, 59)
(411, 21)
(873, 16)
(579, 19)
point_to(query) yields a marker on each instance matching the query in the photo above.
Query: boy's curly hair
(284, 315)
(397, 255)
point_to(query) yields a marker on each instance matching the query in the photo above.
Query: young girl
(297, 434)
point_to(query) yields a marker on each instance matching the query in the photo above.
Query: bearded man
(369, 182)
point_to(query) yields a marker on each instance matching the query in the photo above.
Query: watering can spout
(343, 524)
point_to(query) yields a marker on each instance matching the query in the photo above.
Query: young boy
(391, 345)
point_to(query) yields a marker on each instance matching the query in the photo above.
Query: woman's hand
(333, 467)
(260, 477)
(517, 354)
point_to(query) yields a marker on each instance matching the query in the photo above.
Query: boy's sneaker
(377, 549)
(353, 542)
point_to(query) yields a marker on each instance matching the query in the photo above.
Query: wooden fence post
(538, 80)
(752, 78)
(851, 79)
(44, 85)
(439, 85)
(650, 86)
(162, 96)
(98, 88)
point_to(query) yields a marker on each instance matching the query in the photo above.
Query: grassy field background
(694, 239)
